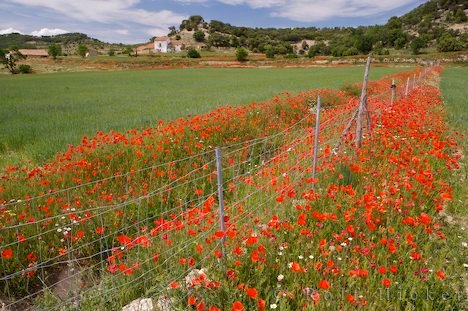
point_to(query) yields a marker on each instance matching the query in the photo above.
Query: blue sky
(134, 21)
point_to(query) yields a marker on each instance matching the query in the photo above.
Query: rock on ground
(141, 304)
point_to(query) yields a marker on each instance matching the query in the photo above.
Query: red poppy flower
(440, 275)
(324, 285)
(295, 267)
(252, 293)
(237, 306)
(191, 300)
(7, 253)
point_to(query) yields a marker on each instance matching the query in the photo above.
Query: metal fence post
(414, 81)
(393, 92)
(317, 131)
(219, 173)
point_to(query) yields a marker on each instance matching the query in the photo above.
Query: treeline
(424, 26)
(29, 41)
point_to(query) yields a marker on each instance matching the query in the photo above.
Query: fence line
(172, 214)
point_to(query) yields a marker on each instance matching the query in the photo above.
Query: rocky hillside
(436, 24)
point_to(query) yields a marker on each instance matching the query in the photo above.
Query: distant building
(145, 49)
(34, 52)
(92, 53)
(165, 45)
(161, 44)
(176, 46)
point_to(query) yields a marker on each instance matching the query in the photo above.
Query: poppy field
(136, 214)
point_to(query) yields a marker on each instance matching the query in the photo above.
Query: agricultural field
(42, 114)
(156, 214)
(455, 95)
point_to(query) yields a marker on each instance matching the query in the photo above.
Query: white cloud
(123, 32)
(48, 32)
(9, 30)
(107, 12)
(317, 10)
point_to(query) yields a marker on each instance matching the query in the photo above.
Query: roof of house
(145, 46)
(33, 52)
(164, 38)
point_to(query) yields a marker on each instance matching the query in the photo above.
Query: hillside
(436, 24)
(69, 42)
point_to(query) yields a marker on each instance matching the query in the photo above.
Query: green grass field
(455, 93)
(41, 114)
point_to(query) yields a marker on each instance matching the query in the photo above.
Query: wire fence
(151, 232)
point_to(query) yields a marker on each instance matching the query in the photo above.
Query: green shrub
(351, 89)
(25, 68)
(448, 43)
(270, 53)
(55, 50)
(199, 36)
(193, 54)
(82, 50)
(241, 54)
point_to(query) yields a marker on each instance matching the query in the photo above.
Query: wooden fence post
(317, 131)
(219, 173)
(407, 87)
(393, 92)
(362, 102)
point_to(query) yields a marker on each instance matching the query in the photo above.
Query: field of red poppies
(136, 215)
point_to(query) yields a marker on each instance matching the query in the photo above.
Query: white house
(164, 45)
(176, 46)
(161, 44)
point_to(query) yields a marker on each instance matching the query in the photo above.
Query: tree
(199, 36)
(270, 52)
(459, 16)
(305, 46)
(417, 44)
(241, 54)
(9, 59)
(82, 50)
(128, 50)
(111, 52)
(400, 42)
(55, 50)
(192, 53)
(218, 40)
(363, 44)
(394, 23)
(172, 31)
(234, 41)
(447, 43)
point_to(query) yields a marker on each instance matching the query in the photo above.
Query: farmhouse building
(161, 44)
(34, 52)
(165, 45)
(145, 49)
(92, 53)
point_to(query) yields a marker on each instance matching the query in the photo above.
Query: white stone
(165, 303)
(140, 304)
